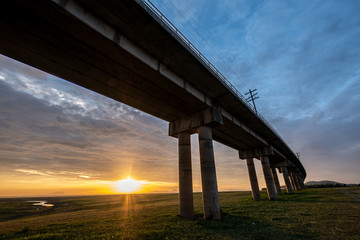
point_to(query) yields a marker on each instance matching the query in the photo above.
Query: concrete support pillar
(285, 172)
(293, 183)
(208, 174)
(302, 183)
(253, 179)
(185, 176)
(276, 180)
(270, 186)
(297, 182)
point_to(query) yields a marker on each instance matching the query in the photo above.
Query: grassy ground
(307, 214)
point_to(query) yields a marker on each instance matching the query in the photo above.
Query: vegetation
(327, 184)
(331, 185)
(325, 213)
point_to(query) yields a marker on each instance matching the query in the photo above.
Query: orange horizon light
(127, 185)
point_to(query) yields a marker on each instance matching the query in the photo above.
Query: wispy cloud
(31, 171)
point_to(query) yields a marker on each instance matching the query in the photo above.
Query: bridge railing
(167, 22)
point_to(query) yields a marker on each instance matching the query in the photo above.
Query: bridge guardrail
(168, 23)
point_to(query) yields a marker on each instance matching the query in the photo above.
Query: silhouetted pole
(252, 97)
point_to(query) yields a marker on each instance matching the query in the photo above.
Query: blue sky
(302, 56)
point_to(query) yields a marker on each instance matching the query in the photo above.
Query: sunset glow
(127, 185)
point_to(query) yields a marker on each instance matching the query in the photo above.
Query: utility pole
(252, 97)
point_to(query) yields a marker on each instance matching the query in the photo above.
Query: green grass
(307, 214)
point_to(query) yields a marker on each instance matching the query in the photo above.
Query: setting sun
(127, 185)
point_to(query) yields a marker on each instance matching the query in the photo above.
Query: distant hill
(323, 182)
(327, 183)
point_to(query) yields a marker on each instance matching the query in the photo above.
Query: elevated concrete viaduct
(130, 52)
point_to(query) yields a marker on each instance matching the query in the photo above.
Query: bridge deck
(119, 50)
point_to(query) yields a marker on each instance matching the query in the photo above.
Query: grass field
(308, 214)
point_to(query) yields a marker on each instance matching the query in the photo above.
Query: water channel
(41, 203)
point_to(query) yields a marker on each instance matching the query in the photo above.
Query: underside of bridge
(123, 50)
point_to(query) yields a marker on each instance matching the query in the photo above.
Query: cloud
(40, 132)
(329, 139)
(301, 56)
(303, 59)
(50, 139)
(31, 171)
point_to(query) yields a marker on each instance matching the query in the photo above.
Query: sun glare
(127, 185)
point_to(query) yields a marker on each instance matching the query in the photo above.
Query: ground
(307, 214)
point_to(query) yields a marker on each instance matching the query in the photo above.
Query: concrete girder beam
(282, 164)
(210, 116)
(256, 152)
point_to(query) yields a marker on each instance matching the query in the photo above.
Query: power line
(252, 97)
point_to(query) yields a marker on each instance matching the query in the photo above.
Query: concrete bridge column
(253, 179)
(262, 153)
(292, 180)
(185, 176)
(276, 180)
(297, 182)
(293, 183)
(208, 174)
(302, 183)
(199, 122)
(270, 185)
(285, 172)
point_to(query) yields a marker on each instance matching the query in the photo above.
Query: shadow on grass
(233, 226)
(305, 195)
